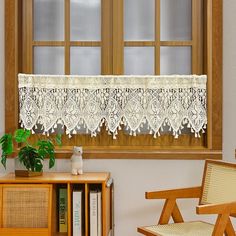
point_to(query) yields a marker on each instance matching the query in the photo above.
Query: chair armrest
(222, 208)
(194, 192)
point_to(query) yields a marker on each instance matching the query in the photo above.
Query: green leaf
(51, 161)
(21, 135)
(38, 165)
(2, 138)
(27, 156)
(7, 144)
(42, 152)
(58, 139)
(45, 148)
(32, 156)
(4, 160)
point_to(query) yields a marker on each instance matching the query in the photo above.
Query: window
(120, 37)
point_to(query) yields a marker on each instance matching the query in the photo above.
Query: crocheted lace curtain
(120, 102)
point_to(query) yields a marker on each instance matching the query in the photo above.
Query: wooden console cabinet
(29, 205)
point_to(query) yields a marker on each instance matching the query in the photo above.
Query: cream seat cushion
(197, 228)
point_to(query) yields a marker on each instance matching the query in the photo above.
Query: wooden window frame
(212, 66)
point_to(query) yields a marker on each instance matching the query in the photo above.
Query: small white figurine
(77, 161)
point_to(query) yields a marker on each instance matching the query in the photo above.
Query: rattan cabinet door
(26, 206)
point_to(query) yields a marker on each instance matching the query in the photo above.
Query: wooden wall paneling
(157, 36)
(118, 38)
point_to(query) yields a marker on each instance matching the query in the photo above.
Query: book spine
(99, 213)
(77, 213)
(93, 214)
(63, 210)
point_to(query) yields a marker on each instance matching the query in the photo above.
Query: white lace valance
(77, 102)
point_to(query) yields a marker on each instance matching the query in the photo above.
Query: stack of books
(95, 212)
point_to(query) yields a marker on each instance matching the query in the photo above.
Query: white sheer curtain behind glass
(175, 60)
(48, 20)
(139, 20)
(49, 60)
(139, 60)
(85, 17)
(85, 25)
(176, 19)
(85, 60)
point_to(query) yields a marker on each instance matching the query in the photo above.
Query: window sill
(167, 154)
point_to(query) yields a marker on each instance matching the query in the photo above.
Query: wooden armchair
(217, 195)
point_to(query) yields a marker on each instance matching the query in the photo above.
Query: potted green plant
(30, 155)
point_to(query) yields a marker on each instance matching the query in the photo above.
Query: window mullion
(118, 37)
(106, 29)
(28, 36)
(157, 36)
(196, 37)
(67, 37)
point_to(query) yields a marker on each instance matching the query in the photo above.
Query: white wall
(229, 85)
(134, 177)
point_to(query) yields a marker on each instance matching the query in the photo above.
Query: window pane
(48, 20)
(176, 19)
(85, 60)
(49, 60)
(176, 60)
(139, 60)
(139, 19)
(85, 20)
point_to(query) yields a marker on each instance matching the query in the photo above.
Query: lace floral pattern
(129, 101)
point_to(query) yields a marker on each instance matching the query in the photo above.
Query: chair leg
(220, 226)
(176, 215)
(229, 230)
(167, 211)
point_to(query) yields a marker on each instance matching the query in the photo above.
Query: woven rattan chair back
(218, 191)
(219, 183)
